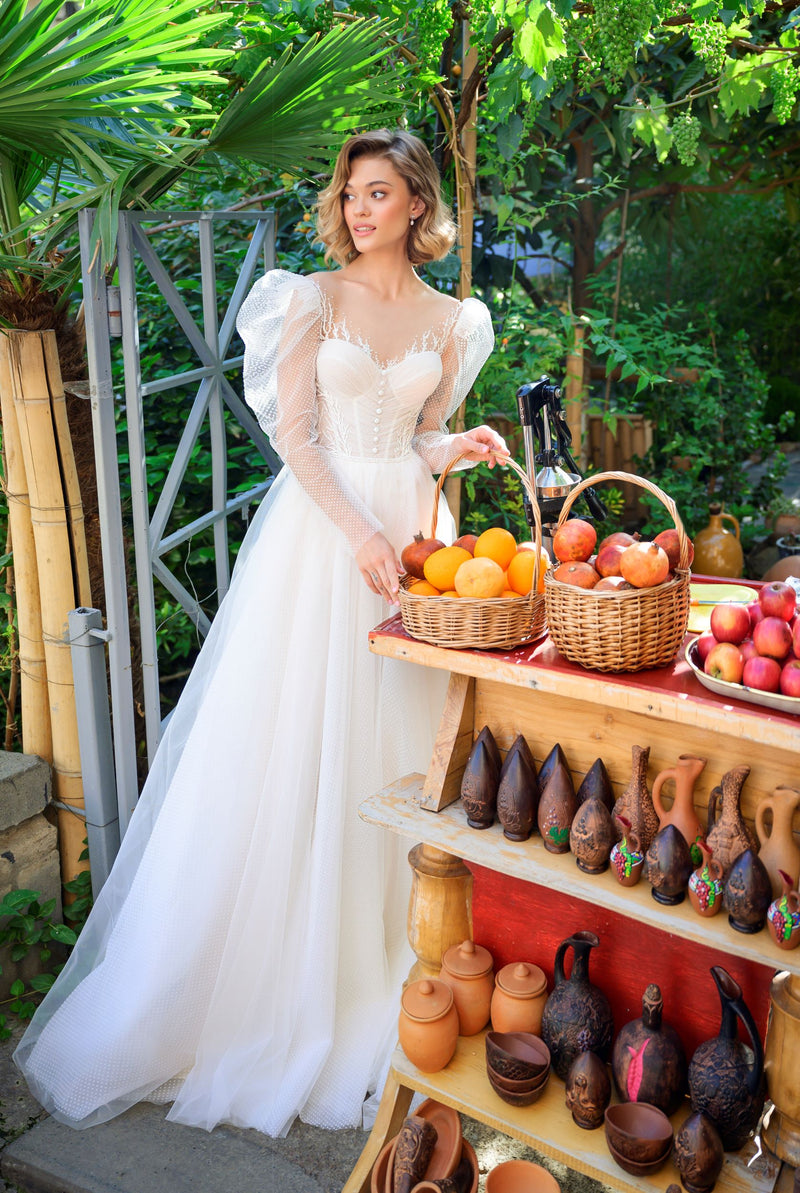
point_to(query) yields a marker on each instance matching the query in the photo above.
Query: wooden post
(34, 699)
(440, 908)
(574, 398)
(781, 1131)
(37, 389)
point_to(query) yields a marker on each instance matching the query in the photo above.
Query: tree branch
(471, 85)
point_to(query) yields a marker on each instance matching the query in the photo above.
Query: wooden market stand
(520, 888)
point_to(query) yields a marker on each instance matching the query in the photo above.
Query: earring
(413, 221)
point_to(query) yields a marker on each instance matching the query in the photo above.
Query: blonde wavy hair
(433, 233)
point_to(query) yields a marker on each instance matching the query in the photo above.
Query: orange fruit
(451, 593)
(497, 544)
(481, 578)
(441, 567)
(423, 588)
(520, 571)
(508, 594)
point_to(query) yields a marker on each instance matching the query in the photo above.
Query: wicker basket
(620, 631)
(469, 623)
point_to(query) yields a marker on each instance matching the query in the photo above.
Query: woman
(245, 956)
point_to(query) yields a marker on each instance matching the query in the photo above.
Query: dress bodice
(370, 410)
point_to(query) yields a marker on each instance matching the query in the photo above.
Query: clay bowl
(447, 1149)
(522, 1099)
(380, 1169)
(516, 1055)
(639, 1169)
(517, 1087)
(520, 1176)
(637, 1131)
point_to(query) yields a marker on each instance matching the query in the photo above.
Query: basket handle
(529, 489)
(630, 477)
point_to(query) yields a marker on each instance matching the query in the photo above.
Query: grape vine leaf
(742, 86)
(651, 125)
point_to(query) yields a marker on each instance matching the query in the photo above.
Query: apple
(790, 678)
(644, 565)
(762, 674)
(773, 638)
(748, 649)
(704, 644)
(725, 661)
(730, 623)
(756, 613)
(575, 540)
(796, 641)
(778, 600)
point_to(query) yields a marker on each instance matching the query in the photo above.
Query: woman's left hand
(482, 444)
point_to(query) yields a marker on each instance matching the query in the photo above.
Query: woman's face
(378, 205)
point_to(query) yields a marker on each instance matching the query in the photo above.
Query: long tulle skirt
(245, 957)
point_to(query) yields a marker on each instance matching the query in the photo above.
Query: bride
(245, 957)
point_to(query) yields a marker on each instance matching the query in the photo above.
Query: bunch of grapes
(710, 43)
(784, 79)
(686, 130)
(434, 22)
(620, 26)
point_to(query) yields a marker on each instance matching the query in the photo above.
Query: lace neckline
(431, 340)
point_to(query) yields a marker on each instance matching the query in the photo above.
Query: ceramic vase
(778, 848)
(557, 808)
(747, 893)
(467, 968)
(685, 774)
(699, 1154)
(518, 792)
(577, 1015)
(480, 781)
(596, 784)
(727, 833)
(648, 1059)
(783, 916)
(706, 885)
(587, 1090)
(667, 866)
(726, 1076)
(592, 836)
(636, 803)
(627, 859)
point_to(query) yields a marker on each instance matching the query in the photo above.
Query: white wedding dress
(245, 957)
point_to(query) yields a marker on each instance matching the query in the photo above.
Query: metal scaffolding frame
(211, 345)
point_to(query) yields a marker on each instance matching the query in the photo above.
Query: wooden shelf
(547, 1126)
(397, 808)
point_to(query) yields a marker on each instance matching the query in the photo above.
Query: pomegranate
(576, 572)
(668, 541)
(618, 538)
(414, 555)
(575, 540)
(467, 541)
(612, 584)
(608, 557)
(644, 565)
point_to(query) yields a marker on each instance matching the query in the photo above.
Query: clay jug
(635, 803)
(577, 1015)
(518, 792)
(648, 1060)
(587, 1090)
(627, 859)
(699, 1154)
(668, 865)
(706, 885)
(428, 1024)
(783, 916)
(596, 783)
(726, 1077)
(557, 808)
(467, 968)
(592, 836)
(717, 551)
(779, 849)
(685, 774)
(747, 893)
(728, 835)
(520, 992)
(480, 781)
(554, 758)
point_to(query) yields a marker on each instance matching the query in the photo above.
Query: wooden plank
(548, 1126)
(397, 808)
(453, 744)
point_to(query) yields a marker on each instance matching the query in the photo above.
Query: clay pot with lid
(520, 993)
(467, 968)
(428, 1024)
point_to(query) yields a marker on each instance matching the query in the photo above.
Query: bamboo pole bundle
(34, 698)
(38, 393)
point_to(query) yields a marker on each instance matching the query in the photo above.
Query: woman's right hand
(380, 567)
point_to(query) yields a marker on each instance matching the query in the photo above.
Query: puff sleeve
(280, 323)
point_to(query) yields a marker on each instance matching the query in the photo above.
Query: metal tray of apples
(771, 617)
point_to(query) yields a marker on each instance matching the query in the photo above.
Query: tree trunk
(584, 227)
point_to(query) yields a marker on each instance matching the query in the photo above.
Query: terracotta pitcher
(577, 1015)
(779, 849)
(728, 834)
(685, 774)
(717, 551)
